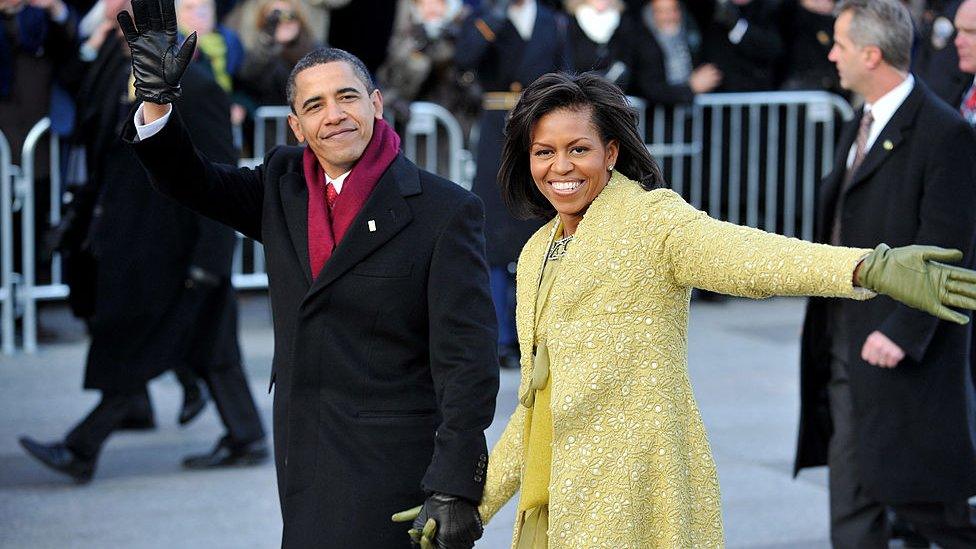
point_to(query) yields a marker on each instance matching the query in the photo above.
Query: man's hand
(443, 522)
(913, 276)
(880, 351)
(156, 63)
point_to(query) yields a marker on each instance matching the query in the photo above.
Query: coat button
(477, 478)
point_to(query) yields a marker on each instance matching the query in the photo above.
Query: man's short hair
(322, 56)
(885, 24)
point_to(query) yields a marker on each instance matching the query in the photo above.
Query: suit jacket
(385, 364)
(914, 422)
(631, 465)
(505, 62)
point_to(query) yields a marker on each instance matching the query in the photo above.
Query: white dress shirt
(523, 18)
(882, 110)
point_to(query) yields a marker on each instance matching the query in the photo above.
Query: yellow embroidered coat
(631, 464)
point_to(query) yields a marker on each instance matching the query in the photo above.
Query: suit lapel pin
(888, 145)
(372, 225)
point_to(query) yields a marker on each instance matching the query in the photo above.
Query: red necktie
(330, 195)
(969, 103)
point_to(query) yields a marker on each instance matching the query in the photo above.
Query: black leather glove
(156, 63)
(457, 523)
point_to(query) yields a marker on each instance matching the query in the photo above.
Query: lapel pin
(372, 225)
(888, 145)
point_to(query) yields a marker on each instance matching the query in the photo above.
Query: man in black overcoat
(886, 396)
(384, 365)
(161, 293)
(506, 46)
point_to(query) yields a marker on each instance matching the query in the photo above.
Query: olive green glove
(912, 276)
(425, 537)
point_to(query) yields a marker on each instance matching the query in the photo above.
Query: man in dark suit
(886, 397)
(385, 362)
(507, 45)
(160, 291)
(742, 40)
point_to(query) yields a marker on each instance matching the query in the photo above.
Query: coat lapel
(294, 199)
(388, 210)
(891, 136)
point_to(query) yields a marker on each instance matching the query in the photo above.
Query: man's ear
(376, 98)
(296, 128)
(873, 57)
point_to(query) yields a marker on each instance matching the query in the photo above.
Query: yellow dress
(631, 466)
(533, 507)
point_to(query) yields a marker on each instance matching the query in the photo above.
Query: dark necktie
(860, 151)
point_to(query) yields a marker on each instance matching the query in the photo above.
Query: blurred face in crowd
(431, 10)
(966, 36)
(600, 5)
(569, 161)
(334, 114)
(667, 15)
(282, 18)
(196, 15)
(850, 59)
(12, 6)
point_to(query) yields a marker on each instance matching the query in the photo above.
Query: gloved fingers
(961, 274)
(960, 287)
(408, 515)
(155, 16)
(127, 25)
(934, 253)
(428, 535)
(186, 51)
(946, 313)
(140, 11)
(168, 10)
(414, 535)
(959, 301)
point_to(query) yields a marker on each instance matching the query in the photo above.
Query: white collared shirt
(523, 18)
(882, 110)
(337, 182)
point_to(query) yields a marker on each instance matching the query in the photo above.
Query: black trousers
(858, 521)
(228, 387)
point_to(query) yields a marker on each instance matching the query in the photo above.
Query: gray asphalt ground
(743, 360)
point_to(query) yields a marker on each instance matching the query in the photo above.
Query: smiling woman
(607, 445)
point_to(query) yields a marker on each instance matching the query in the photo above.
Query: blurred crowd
(664, 51)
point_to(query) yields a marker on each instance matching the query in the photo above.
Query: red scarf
(325, 231)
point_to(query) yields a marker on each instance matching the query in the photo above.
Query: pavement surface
(744, 369)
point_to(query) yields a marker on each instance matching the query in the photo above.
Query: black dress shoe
(194, 401)
(57, 456)
(228, 453)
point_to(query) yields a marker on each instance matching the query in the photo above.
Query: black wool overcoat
(385, 365)
(916, 185)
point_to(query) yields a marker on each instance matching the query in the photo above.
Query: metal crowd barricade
(7, 304)
(761, 159)
(30, 292)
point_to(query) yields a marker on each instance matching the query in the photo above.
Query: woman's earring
(610, 168)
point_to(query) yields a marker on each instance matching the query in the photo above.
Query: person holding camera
(274, 41)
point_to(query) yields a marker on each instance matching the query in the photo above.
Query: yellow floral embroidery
(631, 464)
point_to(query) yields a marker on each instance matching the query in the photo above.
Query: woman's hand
(914, 276)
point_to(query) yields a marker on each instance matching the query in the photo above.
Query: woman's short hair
(612, 115)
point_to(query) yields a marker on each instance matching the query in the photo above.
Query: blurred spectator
(317, 16)
(420, 64)
(937, 62)
(274, 40)
(158, 275)
(810, 26)
(508, 45)
(601, 39)
(744, 43)
(363, 28)
(35, 37)
(671, 73)
(217, 46)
